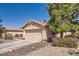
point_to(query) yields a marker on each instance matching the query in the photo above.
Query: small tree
(2, 29)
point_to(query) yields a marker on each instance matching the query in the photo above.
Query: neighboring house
(14, 31)
(31, 31)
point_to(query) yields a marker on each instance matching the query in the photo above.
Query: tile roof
(13, 28)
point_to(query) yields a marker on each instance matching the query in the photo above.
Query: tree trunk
(61, 35)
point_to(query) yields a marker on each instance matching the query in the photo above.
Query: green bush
(8, 36)
(64, 42)
(77, 34)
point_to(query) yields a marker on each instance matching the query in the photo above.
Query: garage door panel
(34, 36)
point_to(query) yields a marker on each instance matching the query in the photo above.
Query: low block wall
(64, 34)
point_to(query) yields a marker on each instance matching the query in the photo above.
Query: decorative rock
(71, 52)
(11, 50)
(33, 48)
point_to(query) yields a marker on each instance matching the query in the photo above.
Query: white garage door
(34, 35)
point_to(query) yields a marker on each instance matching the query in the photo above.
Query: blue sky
(18, 14)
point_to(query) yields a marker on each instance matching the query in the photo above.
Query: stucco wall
(44, 35)
(64, 34)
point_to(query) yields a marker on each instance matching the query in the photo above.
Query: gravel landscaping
(50, 51)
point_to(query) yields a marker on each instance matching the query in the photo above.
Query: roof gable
(37, 22)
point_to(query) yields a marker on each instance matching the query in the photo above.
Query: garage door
(34, 35)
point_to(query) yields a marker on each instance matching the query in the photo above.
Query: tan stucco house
(31, 31)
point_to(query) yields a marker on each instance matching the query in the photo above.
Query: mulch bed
(25, 49)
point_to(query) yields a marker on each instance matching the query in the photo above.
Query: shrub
(16, 35)
(8, 36)
(77, 34)
(64, 42)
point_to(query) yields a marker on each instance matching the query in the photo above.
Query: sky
(18, 14)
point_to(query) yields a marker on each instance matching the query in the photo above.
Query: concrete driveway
(13, 45)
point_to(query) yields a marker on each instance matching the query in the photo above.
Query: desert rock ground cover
(50, 51)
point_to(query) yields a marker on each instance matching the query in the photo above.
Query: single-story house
(31, 31)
